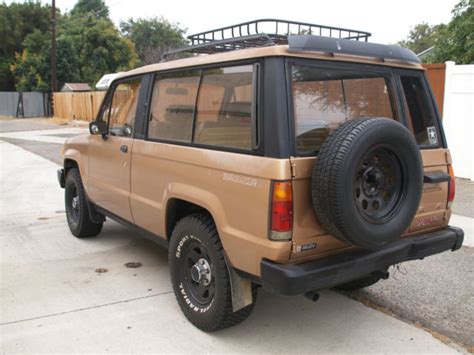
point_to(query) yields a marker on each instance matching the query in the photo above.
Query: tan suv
(292, 162)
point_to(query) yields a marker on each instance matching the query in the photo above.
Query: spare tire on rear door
(367, 182)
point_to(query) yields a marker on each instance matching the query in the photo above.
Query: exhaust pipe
(312, 295)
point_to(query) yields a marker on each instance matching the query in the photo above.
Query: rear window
(224, 107)
(421, 118)
(214, 107)
(325, 98)
(172, 106)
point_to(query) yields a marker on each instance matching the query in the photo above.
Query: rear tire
(77, 209)
(200, 277)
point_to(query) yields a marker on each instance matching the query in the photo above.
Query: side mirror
(98, 127)
(127, 130)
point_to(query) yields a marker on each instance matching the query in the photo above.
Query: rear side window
(123, 108)
(325, 98)
(420, 114)
(224, 107)
(172, 106)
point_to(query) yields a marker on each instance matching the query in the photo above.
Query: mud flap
(95, 216)
(241, 290)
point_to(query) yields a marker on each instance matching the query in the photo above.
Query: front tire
(200, 277)
(77, 210)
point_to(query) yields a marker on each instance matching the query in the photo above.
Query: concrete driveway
(62, 294)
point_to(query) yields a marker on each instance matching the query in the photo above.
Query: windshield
(324, 98)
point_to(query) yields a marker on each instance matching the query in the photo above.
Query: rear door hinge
(448, 157)
(293, 167)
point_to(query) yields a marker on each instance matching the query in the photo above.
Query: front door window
(123, 108)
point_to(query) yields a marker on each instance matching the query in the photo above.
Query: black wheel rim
(378, 185)
(196, 271)
(73, 203)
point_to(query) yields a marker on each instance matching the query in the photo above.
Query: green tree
(457, 39)
(454, 41)
(88, 46)
(32, 67)
(422, 37)
(99, 46)
(17, 21)
(95, 8)
(153, 37)
(101, 50)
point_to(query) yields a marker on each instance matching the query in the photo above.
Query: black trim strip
(255, 106)
(143, 232)
(142, 109)
(196, 100)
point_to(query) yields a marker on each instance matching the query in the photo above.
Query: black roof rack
(263, 32)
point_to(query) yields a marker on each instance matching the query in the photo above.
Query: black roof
(300, 36)
(331, 45)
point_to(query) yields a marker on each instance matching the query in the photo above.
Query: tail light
(281, 211)
(451, 186)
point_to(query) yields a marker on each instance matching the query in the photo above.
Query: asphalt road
(464, 201)
(29, 124)
(50, 289)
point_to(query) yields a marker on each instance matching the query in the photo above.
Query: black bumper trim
(294, 279)
(61, 178)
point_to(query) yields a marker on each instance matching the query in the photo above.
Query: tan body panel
(234, 188)
(432, 212)
(77, 149)
(226, 184)
(109, 174)
(221, 182)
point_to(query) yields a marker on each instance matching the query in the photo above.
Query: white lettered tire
(199, 275)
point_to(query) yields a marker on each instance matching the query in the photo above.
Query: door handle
(124, 148)
(436, 177)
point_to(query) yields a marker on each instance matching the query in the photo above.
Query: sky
(388, 21)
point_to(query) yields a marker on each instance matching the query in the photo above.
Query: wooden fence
(436, 74)
(77, 105)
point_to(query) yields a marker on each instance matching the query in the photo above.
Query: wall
(458, 116)
(24, 104)
(77, 105)
(9, 103)
(436, 74)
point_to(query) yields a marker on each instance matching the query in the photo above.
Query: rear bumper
(61, 178)
(291, 279)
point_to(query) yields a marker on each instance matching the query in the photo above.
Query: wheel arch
(178, 208)
(69, 164)
(72, 159)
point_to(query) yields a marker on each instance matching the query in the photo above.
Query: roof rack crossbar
(263, 32)
(281, 27)
(209, 47)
